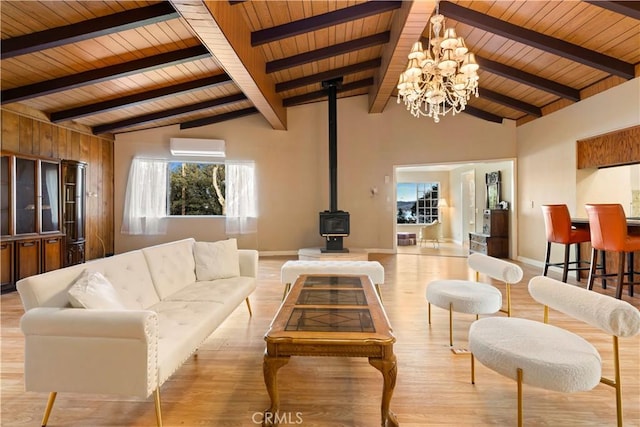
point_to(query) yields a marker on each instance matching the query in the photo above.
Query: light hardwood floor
(222, 385)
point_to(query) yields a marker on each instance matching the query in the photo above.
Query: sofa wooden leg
(47, 411)
(249, 306)
(450, 325)
(156, 396)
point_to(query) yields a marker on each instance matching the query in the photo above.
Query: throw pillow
(93, 290)
(217, 260)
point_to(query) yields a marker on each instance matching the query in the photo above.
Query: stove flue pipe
(332, 86)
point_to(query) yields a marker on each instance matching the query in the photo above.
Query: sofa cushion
(216, 260)
(129, 275)
(171, 266)
(226, 291)
(93, 290)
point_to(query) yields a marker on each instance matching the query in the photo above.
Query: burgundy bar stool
(608, 225)
(557, 222)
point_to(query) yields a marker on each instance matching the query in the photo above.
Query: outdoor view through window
(417, 202)
(196, 189)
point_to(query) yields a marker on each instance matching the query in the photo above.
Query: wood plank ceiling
(128, 65)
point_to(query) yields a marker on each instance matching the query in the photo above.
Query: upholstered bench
(550, 357)
(292, 269)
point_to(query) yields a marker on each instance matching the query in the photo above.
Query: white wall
(293, 176)
(547, 158)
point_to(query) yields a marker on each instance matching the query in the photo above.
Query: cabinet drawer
(478, 238)
(27, 258)
(51, 253)
(6, 257)
(478, 247)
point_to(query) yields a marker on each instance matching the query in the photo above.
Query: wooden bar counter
(633, 228)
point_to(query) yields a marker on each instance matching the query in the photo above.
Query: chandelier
(440, 78)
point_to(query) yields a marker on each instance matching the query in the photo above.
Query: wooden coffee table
(331, 315)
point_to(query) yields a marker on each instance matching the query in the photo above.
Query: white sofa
(131, 351)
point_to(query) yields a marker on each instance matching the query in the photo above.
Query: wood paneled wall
(27, 135)
(617, 148)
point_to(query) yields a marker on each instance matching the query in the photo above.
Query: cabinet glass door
(26, 196)
(70, 206)
(5, 196)
(50, 209)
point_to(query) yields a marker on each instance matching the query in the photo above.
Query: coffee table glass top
(331, 304)
(338, 281)
(330, 320)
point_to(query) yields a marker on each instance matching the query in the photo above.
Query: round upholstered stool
(463, 296)
(548, 357)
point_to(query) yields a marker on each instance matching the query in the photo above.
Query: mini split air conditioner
(192, 147)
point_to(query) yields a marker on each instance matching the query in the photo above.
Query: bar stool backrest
(608, 226)
(557, 222)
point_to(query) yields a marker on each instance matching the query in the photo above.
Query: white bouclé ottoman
(550, 357)
(465, 296)
(292, 269)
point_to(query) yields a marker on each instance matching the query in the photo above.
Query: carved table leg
(270, 368)
(388, 369)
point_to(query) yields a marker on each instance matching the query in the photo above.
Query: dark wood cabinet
(494, 238)
(30, 218)
(74, 210)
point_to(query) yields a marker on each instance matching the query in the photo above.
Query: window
(196, 189)
(417, 203)
(158, 189)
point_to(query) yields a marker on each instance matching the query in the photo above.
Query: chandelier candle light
(440, 78)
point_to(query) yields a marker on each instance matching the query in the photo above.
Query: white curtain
(145, 203)
(242, 203)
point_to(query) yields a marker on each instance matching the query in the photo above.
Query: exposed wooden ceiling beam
(325, 20)
(528, 79)
(102, 74)
(540, 41)
(481, 114)
(406, 28)
(312, 96)
(523, 77)
(327, 75)
(164, 114)
(88, 29)
(218, 118)
(507, 101)
(138, 98)
(327, 52)
(627, 8)
(222, 29)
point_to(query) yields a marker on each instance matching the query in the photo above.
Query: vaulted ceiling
(129, 65)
